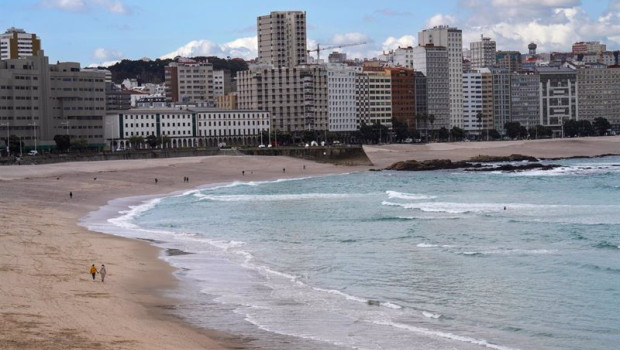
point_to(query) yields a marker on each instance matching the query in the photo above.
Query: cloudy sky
(103, 31)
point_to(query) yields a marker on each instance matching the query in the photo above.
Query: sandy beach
(48, 299)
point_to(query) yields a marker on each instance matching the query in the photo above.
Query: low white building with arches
(185, 128)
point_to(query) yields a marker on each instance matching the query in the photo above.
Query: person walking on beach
(70, 194)
(102, 272)
(93, 271)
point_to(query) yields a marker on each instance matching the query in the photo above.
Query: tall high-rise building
(452, 39)
(599, 94)
(432, 61)
(525, 98)
(282, 38)
(509, 60)
(16, 43)
(341, 98)
(482, 53)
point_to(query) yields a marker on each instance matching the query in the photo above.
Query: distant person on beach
(93, 271)
(283, 170)
(243, 172)
(70, 194)
(102, 272)
(155, 180)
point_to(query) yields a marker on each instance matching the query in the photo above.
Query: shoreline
(47, 299)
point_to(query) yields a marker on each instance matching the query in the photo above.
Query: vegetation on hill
(153, 71)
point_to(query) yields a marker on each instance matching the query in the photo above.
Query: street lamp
(7, 138)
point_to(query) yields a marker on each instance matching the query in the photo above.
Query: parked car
(33, 153)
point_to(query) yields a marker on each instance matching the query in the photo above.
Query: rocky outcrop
(475, 164)
(496, 159)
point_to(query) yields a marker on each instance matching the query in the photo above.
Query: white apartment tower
(452, 39)
(282, 38)
(483, 52)
(16, 43)
(341, 98)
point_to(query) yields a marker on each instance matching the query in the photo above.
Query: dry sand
(47, 297)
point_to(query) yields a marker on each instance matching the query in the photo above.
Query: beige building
(282, 38)
(16, 43)
(296, 97)
(599, 94)
(39, 101)
(190, 81)
(228, 101)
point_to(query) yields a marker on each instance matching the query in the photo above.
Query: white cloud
(103, 54)
(103, 64)
(112, 6)
(441, 19)
(392, 43)
(65, 5)
(245, 48)
(349, 38)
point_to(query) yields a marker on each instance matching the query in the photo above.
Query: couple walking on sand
(101, 271)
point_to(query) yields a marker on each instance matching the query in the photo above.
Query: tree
(136, 140)
(601, 125)
(152, 141)
(443, 134)
(457, 134)
(400, 129)
(494, 134)
(584, 128)
(79, 144)
(513, 129)
(164, 140)
(63, 142)
(570, 128)
(15, 144)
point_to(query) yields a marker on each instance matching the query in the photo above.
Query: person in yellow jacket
(93, 271)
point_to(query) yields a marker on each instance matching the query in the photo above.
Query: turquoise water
(401, 260)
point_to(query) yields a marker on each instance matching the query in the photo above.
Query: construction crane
(319, 48)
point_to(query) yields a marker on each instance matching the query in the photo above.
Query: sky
(101, 32)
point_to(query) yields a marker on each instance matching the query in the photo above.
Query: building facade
(452, 39)
(599, 94)
(282, 38)
(295, 97)
(222, 82)
(403, 95)
(39, 101)
(432, 61)
(558, 97)
(483, 53)
(187, 127)
(189, 81)
(524, 98)
(341, 98)
(16, 43)
(509, 60)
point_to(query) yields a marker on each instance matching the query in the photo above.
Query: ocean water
(398, 260)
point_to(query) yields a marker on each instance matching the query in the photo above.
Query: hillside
(153, 71)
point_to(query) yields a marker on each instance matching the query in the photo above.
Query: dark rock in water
(497, 159)
(173, 252)
(515, 168)
(434, 164)
(374, 302)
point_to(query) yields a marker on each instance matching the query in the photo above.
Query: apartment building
(483, 53)
(295, 97)
(16, 43)
(501, 98)
(39, 101)
(282, 38)
(403, 95)
(432, 61)
(509, 60)
(558, 96)
(586, 47)
(452, 39)
(524, 98)
(341, 98)
(190, 81)
(599, 94)
(477, 101)
(186, 127)
(222, 82)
